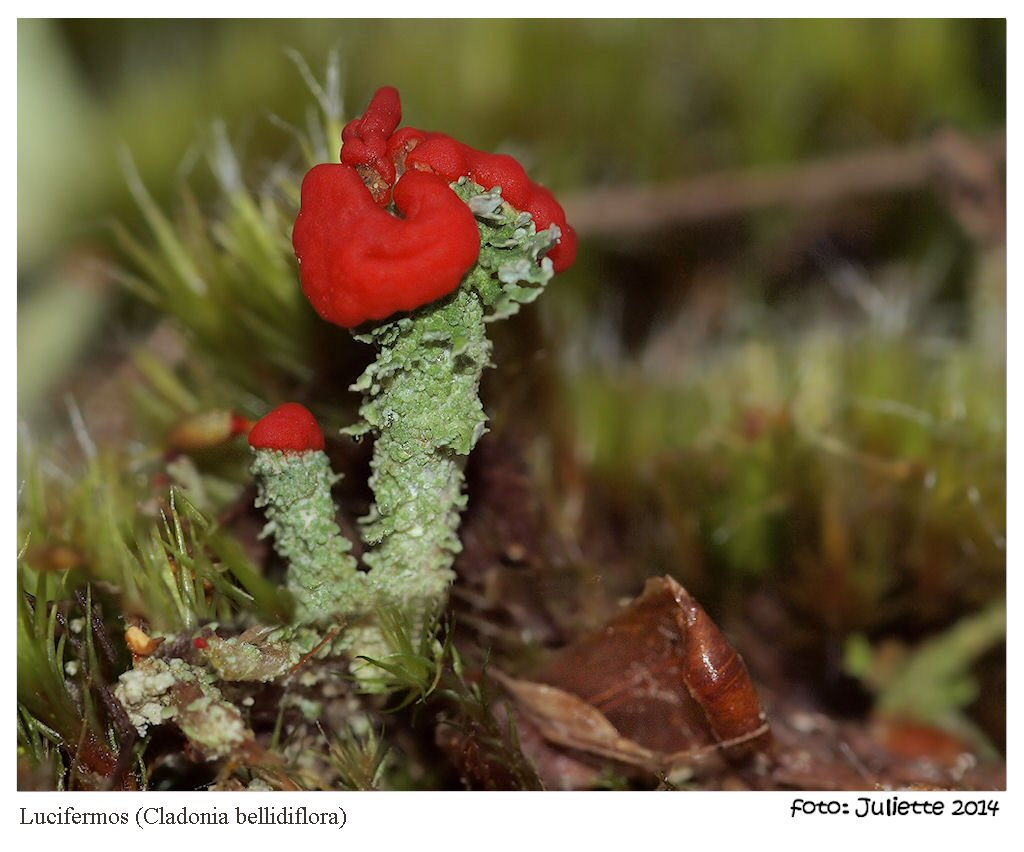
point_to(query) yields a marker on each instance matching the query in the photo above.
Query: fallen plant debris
(656, 686)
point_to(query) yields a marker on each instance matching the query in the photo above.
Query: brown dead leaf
(658, 686)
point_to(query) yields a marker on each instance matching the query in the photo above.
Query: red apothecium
(358, 262)
(290, 428)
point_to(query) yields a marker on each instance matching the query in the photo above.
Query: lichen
(214, 726)
(143, 691)
(422, 405)
(159, 691)
(295, 492)
(254, 656)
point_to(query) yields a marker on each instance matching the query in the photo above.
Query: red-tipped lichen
(289, 428)
(360, 263)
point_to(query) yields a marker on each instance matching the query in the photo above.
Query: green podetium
(422, 405)
(295, 479)
(421, 287)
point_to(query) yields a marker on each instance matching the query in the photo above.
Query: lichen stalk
(295, 492)
(422, 404)
(423, 408)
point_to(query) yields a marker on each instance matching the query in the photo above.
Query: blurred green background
(582, 103)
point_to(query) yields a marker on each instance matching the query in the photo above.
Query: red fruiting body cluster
(444, 156)
(289, 428)
(358, 262)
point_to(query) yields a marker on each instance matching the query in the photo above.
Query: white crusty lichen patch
(214, 726)
(145, 691)
(159, 691)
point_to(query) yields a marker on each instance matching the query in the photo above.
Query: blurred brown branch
(966, 170)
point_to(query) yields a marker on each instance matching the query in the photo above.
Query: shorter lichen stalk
(295, 492)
